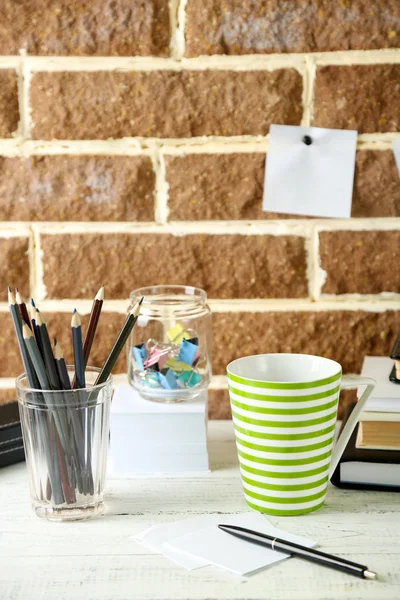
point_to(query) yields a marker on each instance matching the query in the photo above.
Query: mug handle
(351, 381)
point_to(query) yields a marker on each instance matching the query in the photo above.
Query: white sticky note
(396, 152)
(312, 180)
(225, 551)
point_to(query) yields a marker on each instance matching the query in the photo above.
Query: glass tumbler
(65, 435)
(169, 351)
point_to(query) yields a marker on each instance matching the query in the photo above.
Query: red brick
(345, 336)
(230, 186)
(102, 105)
(79, 27)
(9, 111)
(360, 262)
(227, 266)
(358, 97)
(217, 187)
(7, 395)
(76, 188)
(376, 185)
(14, 265)
(263, 26)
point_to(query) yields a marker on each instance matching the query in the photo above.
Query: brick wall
(132, 151)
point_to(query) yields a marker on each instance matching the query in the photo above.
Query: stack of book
(155, 437)
(372, 456)
(11, 445)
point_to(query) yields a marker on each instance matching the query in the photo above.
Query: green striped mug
(284, 410)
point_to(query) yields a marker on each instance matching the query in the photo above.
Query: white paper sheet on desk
(156, 536)
(223, 550)
(314, 180)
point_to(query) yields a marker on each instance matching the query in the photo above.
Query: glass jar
(169, 351)
(65, 436)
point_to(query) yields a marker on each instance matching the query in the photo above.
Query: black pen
(274, 543)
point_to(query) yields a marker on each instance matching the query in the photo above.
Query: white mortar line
(218, 382)
(14, 230)
(177, 17)
(299, 227)
(162, 187)
(289, 227)
(7, 383)
(9, 62)
(227, 62)
(178, 147)
(38, 287)
(308, 91)
(385, 296)
(369, 303)
(317, 275)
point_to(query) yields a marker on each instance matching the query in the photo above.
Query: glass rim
(190, 293)
(19, 379)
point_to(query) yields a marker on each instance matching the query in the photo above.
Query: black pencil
(36, 333)
(22, 308)
(47, 352)
(61, 367)
(78, 350)
(119, 344)
(26, 361)
(275, 543)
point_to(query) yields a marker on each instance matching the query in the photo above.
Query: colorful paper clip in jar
(169, 354)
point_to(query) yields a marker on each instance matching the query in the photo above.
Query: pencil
(37, 361)
(73, 414)
(17, 322)
(78, 350)
(92, 325)
(119, 344)
(48, 357)
(22, 308)
(61, 366)
(32, 308)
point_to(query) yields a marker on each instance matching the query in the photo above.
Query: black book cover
(11, 443)
(352, 453)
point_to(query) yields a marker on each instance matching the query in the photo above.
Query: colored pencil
(92, 325)
(78, 350)
(17, 322)
(37, 361)
(22, 308)
(119, 344)
(61, 366)
(32, 309)
(47, 352)
(78, 439)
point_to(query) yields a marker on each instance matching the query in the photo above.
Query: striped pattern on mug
(284, 437)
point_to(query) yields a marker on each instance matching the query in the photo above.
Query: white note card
(396, 152)
(311, 179)
(227, 552)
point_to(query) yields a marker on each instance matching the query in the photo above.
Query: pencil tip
(75, 321)
(141, 301)
(100, 294)
(11, 297)
(26, 332)
(33, 303)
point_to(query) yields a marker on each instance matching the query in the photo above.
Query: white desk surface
(97, 560)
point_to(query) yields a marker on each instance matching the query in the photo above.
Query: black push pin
(307, 140)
